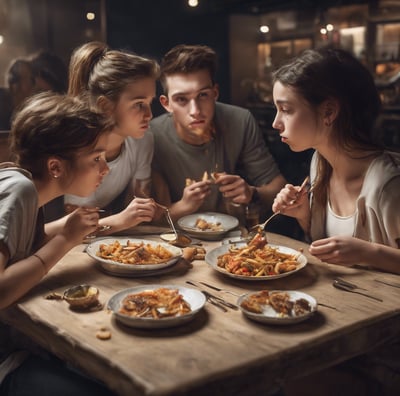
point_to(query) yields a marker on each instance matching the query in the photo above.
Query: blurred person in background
(20, 84)
(49, 71)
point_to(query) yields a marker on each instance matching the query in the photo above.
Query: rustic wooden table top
(217, 352)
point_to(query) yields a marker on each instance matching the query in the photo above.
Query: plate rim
(302, 259)
(262, 318)
(150, 322)
(132, 268)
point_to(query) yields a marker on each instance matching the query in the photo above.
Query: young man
(208, 156)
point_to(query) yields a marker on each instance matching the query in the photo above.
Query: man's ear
(165, 103)
(105, 105)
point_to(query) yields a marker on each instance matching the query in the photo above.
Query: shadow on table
(199, 321)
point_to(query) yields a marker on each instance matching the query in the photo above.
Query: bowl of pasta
(255, 260)
(133, 257)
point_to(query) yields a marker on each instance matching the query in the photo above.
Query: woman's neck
(114, 147)
(348, 166)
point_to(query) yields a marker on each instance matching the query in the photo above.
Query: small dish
(270, 316)
(181, 241)
(224, 221)
(81, 296)
(193, 297)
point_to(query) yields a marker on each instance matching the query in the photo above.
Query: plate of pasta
(277, 306)
(255, 261)
(208, 225)
(156, 306)
(133, 257)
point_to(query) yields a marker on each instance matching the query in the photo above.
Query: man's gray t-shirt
(237, 148)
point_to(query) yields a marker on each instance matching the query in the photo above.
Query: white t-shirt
(339, 225)
(133, 163)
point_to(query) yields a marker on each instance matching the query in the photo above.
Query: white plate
(270, 316)
(212, 259)
(195, 298)
(227, 222)
(121, 269)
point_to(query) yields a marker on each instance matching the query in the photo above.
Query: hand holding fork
(260, 227)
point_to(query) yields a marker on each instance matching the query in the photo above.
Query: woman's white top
(339, 225)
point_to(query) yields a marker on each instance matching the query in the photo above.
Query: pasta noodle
(257, 259)
(134, 253)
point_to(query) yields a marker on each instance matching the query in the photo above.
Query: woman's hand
(293, 202)
(138, 211)
(342, 250)
(80, 223)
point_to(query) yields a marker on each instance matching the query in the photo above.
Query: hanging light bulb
(264, 28)
(90, 16)
(193, 3)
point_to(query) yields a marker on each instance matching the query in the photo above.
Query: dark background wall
(152, 28)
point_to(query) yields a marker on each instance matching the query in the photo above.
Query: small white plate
(226, 222)
(212, 260)
(195, 298)
(270, 316)
(121, 269)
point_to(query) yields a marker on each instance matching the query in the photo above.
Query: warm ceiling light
(329, 27)
(264, 29)
(193, 3)
(90, 16)
(1, 39)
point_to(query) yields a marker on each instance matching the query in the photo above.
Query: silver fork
(221, 290)
(261, 227)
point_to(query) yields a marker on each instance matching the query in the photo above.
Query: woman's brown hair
(51, 124)
(104, 72)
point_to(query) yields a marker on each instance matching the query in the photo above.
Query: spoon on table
(175, 238)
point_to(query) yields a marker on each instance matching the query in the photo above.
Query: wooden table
(217, 353)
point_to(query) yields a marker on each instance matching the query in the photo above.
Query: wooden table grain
(217, 353)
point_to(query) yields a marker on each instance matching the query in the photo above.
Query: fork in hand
(260, 227)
